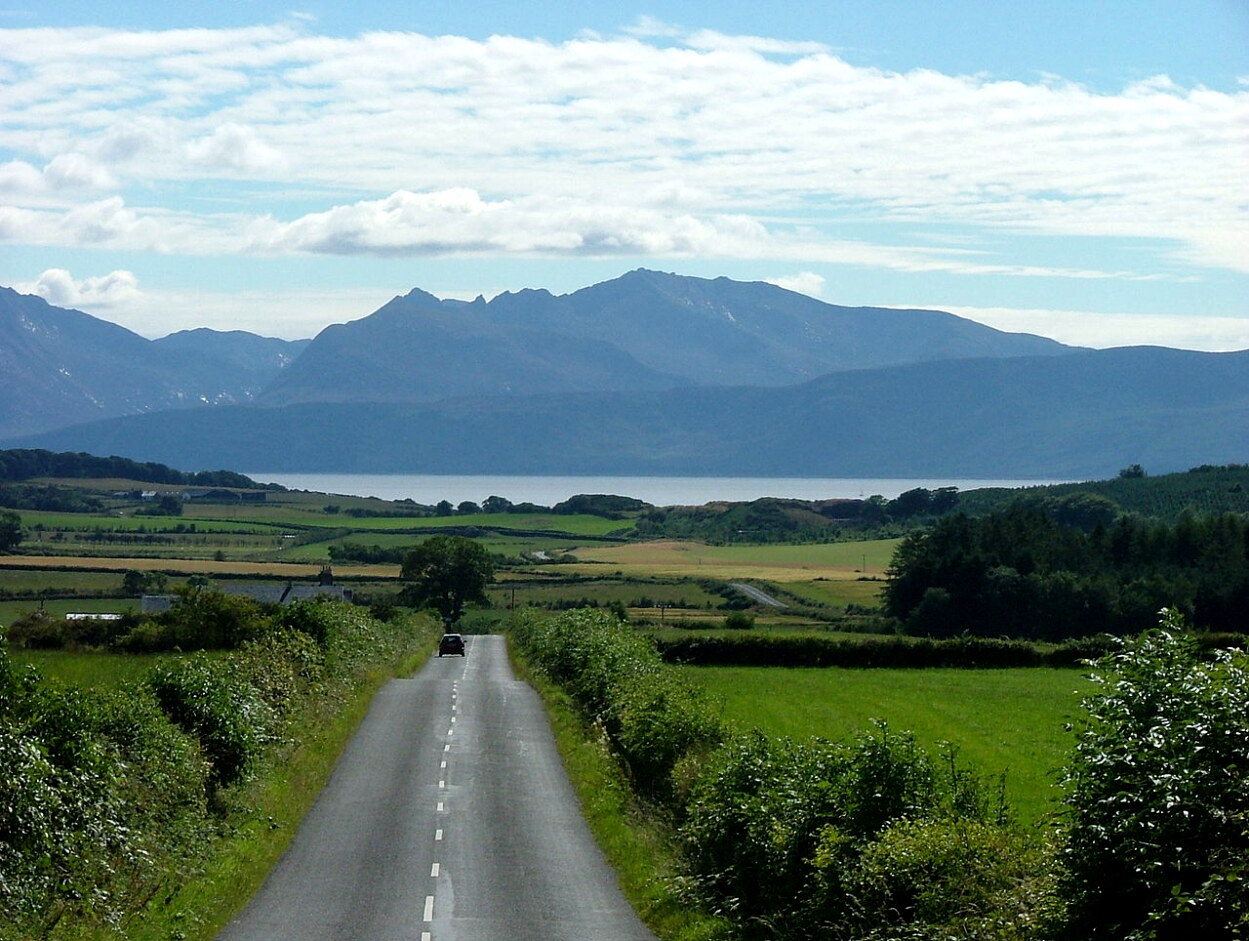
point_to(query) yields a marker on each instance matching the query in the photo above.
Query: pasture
(1008, 721)
(837, 561)
(89, 670)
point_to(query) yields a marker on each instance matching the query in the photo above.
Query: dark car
(451, 643)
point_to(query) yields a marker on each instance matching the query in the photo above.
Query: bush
(786, 834)
(951, 878)
(1157, 799)
(654, 718)
(227, 714)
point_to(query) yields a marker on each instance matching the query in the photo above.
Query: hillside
(61, 367)
(1081, 416)
(643, 330)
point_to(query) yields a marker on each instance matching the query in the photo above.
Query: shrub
(653, 717)
(1157, 799)
(227, 714)
(776, 830)
(950, 878)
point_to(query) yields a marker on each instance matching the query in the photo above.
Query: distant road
(760, 596)
(448, 818)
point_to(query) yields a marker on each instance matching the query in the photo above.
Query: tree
(493, 504)
(446, 573)
(135, 583)
(10, 530)
(1158, 839)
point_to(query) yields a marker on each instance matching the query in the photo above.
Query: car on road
(451, 644)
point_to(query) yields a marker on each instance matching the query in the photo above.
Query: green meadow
(1008, 721)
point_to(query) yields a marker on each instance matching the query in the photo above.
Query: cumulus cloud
(234, 147)
(57, 286)
(71, 171)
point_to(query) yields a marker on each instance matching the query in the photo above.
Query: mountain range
(649, 373)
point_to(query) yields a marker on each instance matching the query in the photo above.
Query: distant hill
(61, 367)
(643, 330)
(1084, 415)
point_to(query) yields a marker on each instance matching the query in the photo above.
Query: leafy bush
(654, 718)
(949, 878)
(220, 708)
(789, 835)
(1158, 794)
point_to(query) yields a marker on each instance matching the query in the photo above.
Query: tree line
(25, 463)
(1020, 572)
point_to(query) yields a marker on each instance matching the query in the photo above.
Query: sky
(1077, 169)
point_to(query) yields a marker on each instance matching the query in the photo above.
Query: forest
(1020, 572)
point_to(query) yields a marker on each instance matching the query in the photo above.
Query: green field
(89, 669)
(1001, 720)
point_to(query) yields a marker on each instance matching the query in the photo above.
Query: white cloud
(1100, 330)
(233, 147)
(60, 288)
(685, 143)
(18, 176)
(76, 171)
(71, 171)
(805, 282)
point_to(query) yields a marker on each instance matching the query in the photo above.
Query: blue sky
(1078, 170)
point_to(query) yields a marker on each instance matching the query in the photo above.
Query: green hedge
(653, 717)
(800, 839)
(109, 797)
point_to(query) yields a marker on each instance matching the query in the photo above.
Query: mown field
(1008, 721)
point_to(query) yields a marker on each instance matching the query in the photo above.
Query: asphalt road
(757, 595)
(448, 818)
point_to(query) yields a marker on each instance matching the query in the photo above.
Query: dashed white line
(434, 870)
(437, 835)
(429, 908)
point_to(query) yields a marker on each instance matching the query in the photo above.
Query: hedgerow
(895, 652)
(109, 798)
(654, 719)
(788, 837)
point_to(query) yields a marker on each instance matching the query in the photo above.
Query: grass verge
(634, 838)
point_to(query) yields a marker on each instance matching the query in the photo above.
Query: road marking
(442, 784)
(444, 765)
(434, 869)
(441, 808)
(437, 835)
(453, 720)
(429, 908)
(446, 747)
(426, 936)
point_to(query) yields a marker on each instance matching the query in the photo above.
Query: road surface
(757, 595)
(448, 818)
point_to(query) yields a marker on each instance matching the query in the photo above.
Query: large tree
(446, 573)
(10, 530)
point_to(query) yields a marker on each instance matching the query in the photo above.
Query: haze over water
(429, 489)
